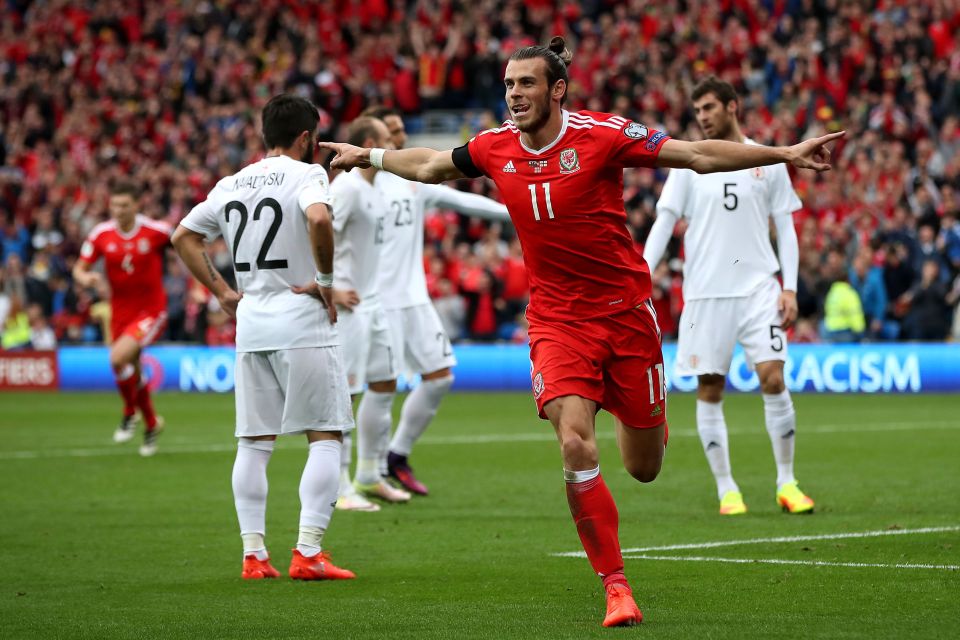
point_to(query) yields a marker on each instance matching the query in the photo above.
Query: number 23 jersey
(261, 214)
(566, 202)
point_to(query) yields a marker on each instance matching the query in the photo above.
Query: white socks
(346, 453)
(418, 410)
(373, 431)
(250, 493)
(713, 436)
(318, 494)
(781, 425)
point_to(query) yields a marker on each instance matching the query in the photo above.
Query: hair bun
(559, 46)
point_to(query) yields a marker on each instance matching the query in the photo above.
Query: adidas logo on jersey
(509, 168)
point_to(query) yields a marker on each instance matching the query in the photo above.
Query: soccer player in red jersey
(594, 341)
(133, 248)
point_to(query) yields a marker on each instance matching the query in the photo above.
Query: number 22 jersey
(566, 202)
(261, 213)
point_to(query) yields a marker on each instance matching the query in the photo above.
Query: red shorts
(614, 360)
(145, 328)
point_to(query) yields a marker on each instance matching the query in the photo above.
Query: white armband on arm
(788, 247)
(659, 237)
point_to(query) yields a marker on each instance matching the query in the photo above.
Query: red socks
(128, 384)
(145, 402)
(136, 394)
(597, 520)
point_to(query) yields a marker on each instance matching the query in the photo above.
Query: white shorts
(368, 352)
(419, 339)
(291, 391)
(710, 329)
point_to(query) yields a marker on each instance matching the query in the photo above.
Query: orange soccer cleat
(254, 569)
(622, 610)
(318, 567)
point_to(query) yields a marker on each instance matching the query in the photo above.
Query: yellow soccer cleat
(732, 504)
(792, 500)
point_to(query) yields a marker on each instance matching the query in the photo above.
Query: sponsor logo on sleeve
(654, 139)
(635, 131)
(569, 161)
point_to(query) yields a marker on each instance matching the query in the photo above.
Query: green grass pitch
(99, 543)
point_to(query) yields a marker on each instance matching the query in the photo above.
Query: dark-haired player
(594, 341)
(730, 293)
(290, 378)
(133, 248)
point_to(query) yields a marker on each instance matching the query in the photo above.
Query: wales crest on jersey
(569, 161)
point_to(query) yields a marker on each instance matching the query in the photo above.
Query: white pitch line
(813, 563)
(781, 539)
(185, 446)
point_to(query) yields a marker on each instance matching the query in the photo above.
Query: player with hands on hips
(290, 378)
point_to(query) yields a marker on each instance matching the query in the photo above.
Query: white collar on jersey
(132, 232)
(563, 130)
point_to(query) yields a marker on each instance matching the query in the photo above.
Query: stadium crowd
(166, 92)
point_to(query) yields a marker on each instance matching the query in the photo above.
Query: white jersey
(260, 212)
(402, 281)
(727, 245)
(358, 219)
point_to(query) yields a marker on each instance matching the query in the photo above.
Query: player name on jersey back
(261, 214)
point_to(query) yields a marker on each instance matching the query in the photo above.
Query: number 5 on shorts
(776, 338)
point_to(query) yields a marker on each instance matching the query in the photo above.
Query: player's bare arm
(710, 156)
(83, 276)
(320, 225)
(418, 164)
(190, 245)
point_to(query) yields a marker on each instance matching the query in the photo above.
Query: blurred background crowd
(168, 91)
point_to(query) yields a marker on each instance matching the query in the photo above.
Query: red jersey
(566, 202)
(134, 265)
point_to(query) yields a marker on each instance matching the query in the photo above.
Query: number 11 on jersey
(533, 200)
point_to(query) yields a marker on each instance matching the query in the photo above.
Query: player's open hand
(346, 156)
(323, 294)
(346, 298)
(787, 305)
(229, 301)
(813, 153)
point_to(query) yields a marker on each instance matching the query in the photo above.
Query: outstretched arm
(470, 204)
(709, 156)
(417, 164)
